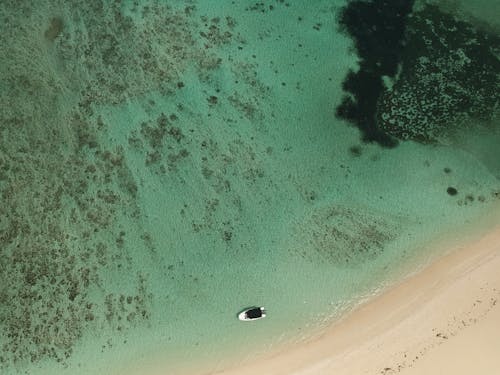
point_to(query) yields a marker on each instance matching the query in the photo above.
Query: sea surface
(166, 164)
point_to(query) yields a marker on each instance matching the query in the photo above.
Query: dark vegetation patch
(212, 100)
(58, 221)
(55, 29)
(246, 106)
(266, 6)
(162, 143)
(216, 32)
(118, 59)
(448, 81)
(248, 100)
(471, 198)
(356, 151)
(452, 191)
(444, 73)
(378, 29)
(344, 236)
(65, 192)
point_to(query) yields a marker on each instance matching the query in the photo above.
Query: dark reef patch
(67, 195)
(344, 236)
(356, 151)
(57, 223)
(55, 29)
(452, 191)
(443, 73)
(449, 79)
(70, 216)
(378, 29)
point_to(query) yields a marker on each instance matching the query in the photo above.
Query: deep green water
(164, 164)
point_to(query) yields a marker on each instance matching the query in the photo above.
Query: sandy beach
(442, 320)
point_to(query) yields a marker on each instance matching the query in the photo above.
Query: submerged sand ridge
(158, 161)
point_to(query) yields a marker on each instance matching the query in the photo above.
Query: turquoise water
(165, 164)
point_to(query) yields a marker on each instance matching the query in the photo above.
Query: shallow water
(165, 164)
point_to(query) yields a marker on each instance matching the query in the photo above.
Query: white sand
(443, 320)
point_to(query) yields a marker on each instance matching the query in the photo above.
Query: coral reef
(448, 80)
(377, 29)
(423, 75)
(69, 196)
(66, 195)
(344, 236)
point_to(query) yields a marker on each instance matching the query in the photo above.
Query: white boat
(252, 313)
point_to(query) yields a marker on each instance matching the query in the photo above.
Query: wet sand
(444, 319)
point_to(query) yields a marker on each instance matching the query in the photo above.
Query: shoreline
(416, 324)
